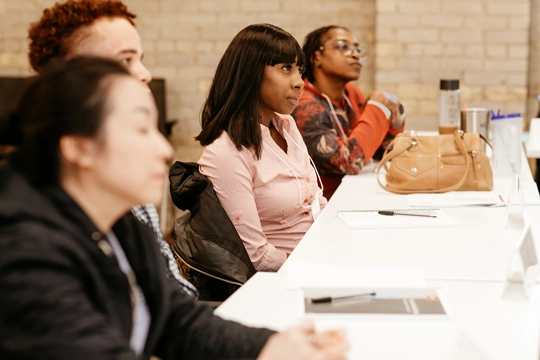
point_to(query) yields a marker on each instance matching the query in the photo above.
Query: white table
(468, 264)
(481, 325)
(479, 249)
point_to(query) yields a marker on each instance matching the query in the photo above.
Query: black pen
(391, 213)
(332, 298)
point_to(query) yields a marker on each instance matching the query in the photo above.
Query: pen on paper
(332, 298)
(392, 213)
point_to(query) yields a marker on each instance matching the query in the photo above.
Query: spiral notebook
(371, 219)
(373, 301)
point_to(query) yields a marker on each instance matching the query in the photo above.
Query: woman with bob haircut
(79, 274)
(254, 154)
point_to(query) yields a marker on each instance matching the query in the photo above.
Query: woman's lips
(293, 101)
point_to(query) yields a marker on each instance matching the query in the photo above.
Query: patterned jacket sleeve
(333, 152)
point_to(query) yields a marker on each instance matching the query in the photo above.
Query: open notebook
(373, 300)
(371, 219)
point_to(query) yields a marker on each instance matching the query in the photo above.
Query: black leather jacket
(214, 257)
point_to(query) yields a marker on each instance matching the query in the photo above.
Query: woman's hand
(391, 101)
(302, 342)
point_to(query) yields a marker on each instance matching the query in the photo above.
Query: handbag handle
(389, 155)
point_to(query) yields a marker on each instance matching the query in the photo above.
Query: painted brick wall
(184, 40)
(533, 75)
(490, 45)
(483, 43)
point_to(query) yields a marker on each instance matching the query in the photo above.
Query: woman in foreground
(80, 277)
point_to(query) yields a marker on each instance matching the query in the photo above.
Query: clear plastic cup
(507, 133)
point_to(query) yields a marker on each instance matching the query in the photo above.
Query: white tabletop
(481, 325)
(468, 264)
(479, 249)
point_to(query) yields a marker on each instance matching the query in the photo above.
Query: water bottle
(449, 106)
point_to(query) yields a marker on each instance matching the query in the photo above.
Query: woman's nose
(141, 72)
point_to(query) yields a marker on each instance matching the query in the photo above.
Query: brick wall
(483, 43)
(533, 75)
(184, 40)
(413, 43)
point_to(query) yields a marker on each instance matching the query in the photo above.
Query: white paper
(371, 219)
(301, 275)
(457, 198)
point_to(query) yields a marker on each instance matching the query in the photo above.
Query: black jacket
(205, 237)
(61, 297)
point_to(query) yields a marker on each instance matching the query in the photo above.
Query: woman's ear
(78, 151)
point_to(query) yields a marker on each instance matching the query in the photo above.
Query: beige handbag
(433, 164)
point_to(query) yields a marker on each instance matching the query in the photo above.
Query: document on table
(372, 301)
(472, 198)
(457, 198)
(390, 290)
(372, 219)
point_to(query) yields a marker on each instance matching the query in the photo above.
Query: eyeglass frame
(338, 44)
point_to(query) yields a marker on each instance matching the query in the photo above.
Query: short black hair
(67, 98)
(232, 104)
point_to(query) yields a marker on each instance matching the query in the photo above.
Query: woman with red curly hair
(103, 29)
(87, 27)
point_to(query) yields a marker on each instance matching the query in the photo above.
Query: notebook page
(371, 219)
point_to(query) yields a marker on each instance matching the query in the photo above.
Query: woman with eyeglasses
(341, 128)
(254, 154)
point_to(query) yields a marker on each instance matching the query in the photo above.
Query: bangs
(282, 48)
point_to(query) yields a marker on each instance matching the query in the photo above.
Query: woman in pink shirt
(254, 154)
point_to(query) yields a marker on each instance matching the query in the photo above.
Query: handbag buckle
(414, 138)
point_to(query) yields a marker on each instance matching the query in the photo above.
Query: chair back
(206, 243)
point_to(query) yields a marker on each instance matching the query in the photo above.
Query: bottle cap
(452, 84)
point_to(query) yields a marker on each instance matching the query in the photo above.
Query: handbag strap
(486, 140)
(397, 150)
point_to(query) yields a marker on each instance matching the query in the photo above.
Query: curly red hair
(52, 36)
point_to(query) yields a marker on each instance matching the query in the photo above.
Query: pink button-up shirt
(268, 205)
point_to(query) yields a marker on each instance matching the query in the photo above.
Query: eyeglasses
(347, 48)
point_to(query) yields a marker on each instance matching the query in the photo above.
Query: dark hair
(67, 98)
(312, 43)
(233, 100)
(53, 35)
(9, 129)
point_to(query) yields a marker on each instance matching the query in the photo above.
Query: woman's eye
(344, 47)
(125, 61)
(287, 67)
